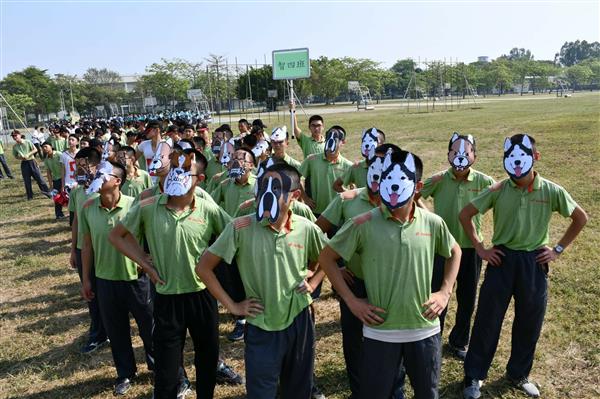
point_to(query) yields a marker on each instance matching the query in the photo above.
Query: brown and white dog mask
(160, 162)
(274, 186)
(461, 151)
(179, 178)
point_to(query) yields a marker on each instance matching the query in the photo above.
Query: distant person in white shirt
(67, 158)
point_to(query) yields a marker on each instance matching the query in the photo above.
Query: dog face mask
(370, 141)
(260, 172)
(226, 153)
(160, 161)
(260, 148)
(518, 157)
(375, 167)
(333, 138)
(215, 146)
(461, 153)
(279, 134)
(179, 179)
(274, 186)
(85, 172)
(103, 174)
(398, 180)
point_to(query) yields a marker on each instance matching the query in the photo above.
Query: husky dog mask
(461, 151)
(334, 136)
(179, 179)
(374, 170)
(398, 180)
(160, 161)
(226, 152)
(273, 187)
(370, 140)
(103, 174)
(518, 157)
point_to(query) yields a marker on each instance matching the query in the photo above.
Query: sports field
(43, 321)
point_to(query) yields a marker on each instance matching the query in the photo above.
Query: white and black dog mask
(398, 180)
(215, 145)
(104, 173)
(369, 141)
(461, 151)
(279, 134)
(518, 156)
(374, 170)
(179, 179)
(226, 153)
(160, 161)
(260, 148)
(335, 135)
(273, 187)
(260, 172)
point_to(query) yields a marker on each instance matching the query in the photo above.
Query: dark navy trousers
(521, 277)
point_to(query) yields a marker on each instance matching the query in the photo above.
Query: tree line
(34, 91)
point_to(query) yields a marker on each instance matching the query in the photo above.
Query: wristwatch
(558, 249)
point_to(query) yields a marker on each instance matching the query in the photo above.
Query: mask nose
(376, 177)
(517, 162)
(395, 187)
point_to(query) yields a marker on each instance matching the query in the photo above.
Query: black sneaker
(238, 331)
(92, 347)
(458, 351)
(526, 386)
(122, 386)
(47, 194)
(315, 392)
(184, 388)
(471, 388)
(226, 375)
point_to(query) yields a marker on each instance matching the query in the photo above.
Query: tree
(579, 75)
(403, 71)
(501, 75)
(101, 76)
(572, 53)
(20, 103)
(36, 84)
(519, 54)
(327, 78)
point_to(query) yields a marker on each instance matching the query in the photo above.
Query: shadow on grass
(54, 303)
(44, 273)
(39, 248)
(55, 228)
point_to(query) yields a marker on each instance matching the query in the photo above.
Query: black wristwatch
(558, 249)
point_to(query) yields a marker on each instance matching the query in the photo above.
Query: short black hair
(84, 139)
(245, 121)
(249, 141)
(74, 136)
(48, 144)
(249, 152)
(289, 171)
(462, 136)
(315, 118)
(96, 143)
(384, 148)
(129, 150)
(199, 142)
(91, 154)
(518, 138)
(200, 158)
(123, 174)
(400, 156)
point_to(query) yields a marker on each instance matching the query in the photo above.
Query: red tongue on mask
(374, 187)
(517, 171)
(394, 199)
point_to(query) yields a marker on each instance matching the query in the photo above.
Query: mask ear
(471, 139)
(410, 162)
(527, 142)
(507, 144)
(374, 132)
(387, 161)
(454, 137)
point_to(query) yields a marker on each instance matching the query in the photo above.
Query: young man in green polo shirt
(345, 206)
(119, 289)
(137, 180)
(4, 164)
(25, 151)
(451, 191)
(356, 176)
(396, 243)
(239, 187)
(86, 162)
(517, 262)
(315, 143)
(53, 172)
(177, 226)
(321, 170)
(272, 250)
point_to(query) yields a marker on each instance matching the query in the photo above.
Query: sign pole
(293, 108)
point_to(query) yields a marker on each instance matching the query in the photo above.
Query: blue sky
(126, 36)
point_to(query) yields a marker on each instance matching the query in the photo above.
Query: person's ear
(537, 156)
(419, 186)
(201, 177)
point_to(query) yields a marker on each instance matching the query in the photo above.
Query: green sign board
(291, 64)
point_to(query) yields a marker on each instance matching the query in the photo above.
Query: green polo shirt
(176, 240)
(59, 144)
(290, 161)
(133, 187)
(98, 221)
(309, 145)
(356, 175)
(21, 150)
(397, 261)
(319, 176)
(229, 195)
(213, 167)
(77, 198)
(217, 179)
(272, 264)
(248, 207)
(156, 190)
(346, 206)
(451, 196)
(522, 216)
(53, 165)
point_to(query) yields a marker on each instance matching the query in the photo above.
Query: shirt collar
(162, 200)
(119, 204)
(363, 194)
(387, 214)
(536, 184)
(470, 176)
(287, 227)
(338, 160)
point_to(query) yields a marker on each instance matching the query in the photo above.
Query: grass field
(43, 322)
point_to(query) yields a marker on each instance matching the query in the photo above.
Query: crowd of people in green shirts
(168, 228)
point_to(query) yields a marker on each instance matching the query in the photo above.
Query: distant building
(483, 58)
(129, 82)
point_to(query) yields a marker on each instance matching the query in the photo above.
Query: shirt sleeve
(444, 241)
(562, 202)
(316, 242)
(219, 218)
(225, 247)
(333, 212)
(133, 221)
(429, 187)
(72, 199)
(484, 201)
(304, 168)
(347, 241)
(348, 177)
(82, 222)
